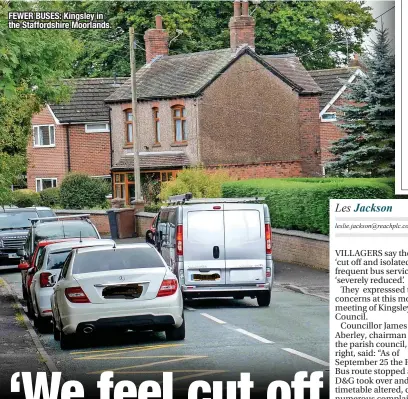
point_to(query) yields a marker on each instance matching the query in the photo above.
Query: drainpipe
(68, 148)
(111, 150)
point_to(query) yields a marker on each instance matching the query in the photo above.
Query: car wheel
(25, 295)
(264, 298)
(30, 309)
(55, 330)
(67, 341)
(176, 333)
(41, 324)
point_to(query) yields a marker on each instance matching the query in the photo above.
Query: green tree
(368, 118)
(322, 33)
(32, 64)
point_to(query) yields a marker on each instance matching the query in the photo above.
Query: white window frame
(103, 130)
(38, 128)
(329, 120)
(39, 180)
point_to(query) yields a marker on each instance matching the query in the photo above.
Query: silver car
(123, 287)
(218, 247)
(49, 267)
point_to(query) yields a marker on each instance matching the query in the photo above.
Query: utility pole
(138, 190)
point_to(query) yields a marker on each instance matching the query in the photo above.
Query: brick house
(256, 116)
(334, 83)
(73, 136)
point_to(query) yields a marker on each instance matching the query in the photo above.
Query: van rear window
(205, 227)
(242, 226)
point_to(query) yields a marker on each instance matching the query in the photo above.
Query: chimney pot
(237, 8)
(245, 11)
(159, 22)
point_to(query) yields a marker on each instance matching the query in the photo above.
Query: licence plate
(13, 256)
(128, 291)
(206, 277)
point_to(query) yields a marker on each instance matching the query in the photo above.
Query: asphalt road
(224, 338)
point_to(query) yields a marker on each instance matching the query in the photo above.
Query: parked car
(125, 287)
(14, 227)
(58, 228)
(49, 267)
(29, 267)
(218, 247)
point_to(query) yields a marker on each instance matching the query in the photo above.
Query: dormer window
(180, 124)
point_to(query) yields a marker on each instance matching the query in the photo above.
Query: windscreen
(16, 220)
(116, 259)
(56, 259)
(50, 230)
(45, 213)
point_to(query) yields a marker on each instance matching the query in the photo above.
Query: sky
(378, 8)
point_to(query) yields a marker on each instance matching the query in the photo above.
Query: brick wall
(309, 129)
(98, 218)
(311, 250)
(48, 162)
(258, 171)
(90, 152)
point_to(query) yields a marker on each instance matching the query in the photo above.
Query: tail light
(76, 295)
(168, 287)
(268, 239)
(45, 280)
(179, 240)
(268, 272)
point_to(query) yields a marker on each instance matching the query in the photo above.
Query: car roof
(83, 242)
(14, 210)
(118, 247)
(62, 222)
(44, 243)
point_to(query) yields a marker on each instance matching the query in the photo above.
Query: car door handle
(216, 252)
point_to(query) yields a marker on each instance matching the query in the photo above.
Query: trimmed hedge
(50, 197)
(79, 191)
(25, 198)
(153, 208)
(302, 203)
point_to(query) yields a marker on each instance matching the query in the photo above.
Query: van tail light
(45, 280)
(268, 272)
(268, 239)
(179, 240)
(168, 287)
(76, 295)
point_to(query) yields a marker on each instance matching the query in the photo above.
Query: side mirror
(23, 265)
(32, 271)
(150, 237)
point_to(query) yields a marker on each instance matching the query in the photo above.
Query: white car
(49, 264)
(124, 287)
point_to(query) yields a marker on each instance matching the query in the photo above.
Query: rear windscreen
(242, 226)
(56, 259)
(48, 231)
(116, 259)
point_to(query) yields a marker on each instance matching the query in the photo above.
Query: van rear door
(203, 242)
(245, 251)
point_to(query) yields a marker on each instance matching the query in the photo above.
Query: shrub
(25, 198)
(50, 197)
(153, 208)
(79, 191)
(303, 204)
(198, 181)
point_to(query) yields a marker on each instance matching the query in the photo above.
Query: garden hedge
(25, 198)
(303, 203)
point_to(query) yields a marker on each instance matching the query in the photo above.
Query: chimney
(242, 26)
(156, 40)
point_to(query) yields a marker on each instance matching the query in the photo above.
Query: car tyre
(176, 333)
(30, 309)
(264, 298)
(41, 324)
(55, 331)
(67, 341)
(25, 294)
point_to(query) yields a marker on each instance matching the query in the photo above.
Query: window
(156, 125)
(43, 183)
(44, 136)
(329, 117)
(129, 127)
(97, 128)
(180, 124)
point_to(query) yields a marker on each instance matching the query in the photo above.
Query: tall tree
(32, 63)
(368, 118)
(321, 32)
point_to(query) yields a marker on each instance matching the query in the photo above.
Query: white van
(217, 246)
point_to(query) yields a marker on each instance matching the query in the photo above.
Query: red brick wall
(309, 129)
(275, 169)
(47, 161)
(90, 152)
(329, 133)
